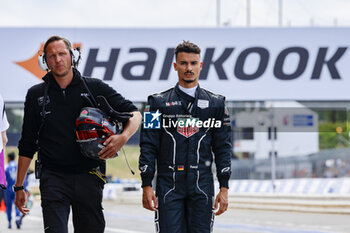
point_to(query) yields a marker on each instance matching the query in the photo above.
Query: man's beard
(62, 74)
(189, 80)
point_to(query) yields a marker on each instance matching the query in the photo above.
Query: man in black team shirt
(65, 179)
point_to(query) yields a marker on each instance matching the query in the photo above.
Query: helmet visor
(92, 134)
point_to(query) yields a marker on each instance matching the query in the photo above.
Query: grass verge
(116, 167)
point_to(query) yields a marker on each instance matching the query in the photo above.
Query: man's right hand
(20, 201)
(149, 199)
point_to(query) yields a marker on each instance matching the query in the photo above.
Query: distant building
(287, 128)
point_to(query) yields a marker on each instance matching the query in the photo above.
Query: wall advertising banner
(241, 64)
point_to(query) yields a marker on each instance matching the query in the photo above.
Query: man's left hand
(113, 145)
(222, 200)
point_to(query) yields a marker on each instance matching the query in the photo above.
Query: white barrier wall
(302, 186)
(242, 64)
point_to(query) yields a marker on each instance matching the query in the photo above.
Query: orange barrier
(2, 206)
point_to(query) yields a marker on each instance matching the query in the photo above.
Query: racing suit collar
(187, 101)
(184, 95)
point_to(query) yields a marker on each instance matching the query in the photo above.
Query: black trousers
(185, 206)
(82, 192)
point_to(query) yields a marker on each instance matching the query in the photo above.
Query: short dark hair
(57, 38)
(187, 47)
(11, 155)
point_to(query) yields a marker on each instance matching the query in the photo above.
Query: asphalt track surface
(132, 218)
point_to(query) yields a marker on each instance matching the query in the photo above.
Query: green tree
(329, 137)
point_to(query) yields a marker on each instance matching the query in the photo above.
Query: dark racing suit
(184, 155)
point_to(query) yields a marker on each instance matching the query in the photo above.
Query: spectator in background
(3, 127)
(11, 172)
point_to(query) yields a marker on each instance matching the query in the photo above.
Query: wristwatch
(17, 188)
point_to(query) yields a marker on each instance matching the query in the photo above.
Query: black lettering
(321, 60)
(168, 61)
(208, 60)
(239, 67)
(148, 65)
(110, 64)
(303, 59)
